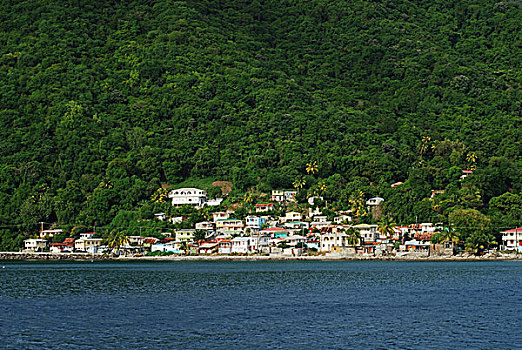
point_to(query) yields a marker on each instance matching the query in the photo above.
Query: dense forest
(102, 102)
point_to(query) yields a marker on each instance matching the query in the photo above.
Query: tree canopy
(101, 102)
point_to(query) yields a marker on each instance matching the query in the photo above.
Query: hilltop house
(263, 208)
(188, 196)
(374, 201)
(283, 195)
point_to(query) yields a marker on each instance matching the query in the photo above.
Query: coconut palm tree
(354, 236)
(299, 182)
(471, 158)
(358, 204)
(449, 235)
(312, 167)
(385, 227)
(117, 241)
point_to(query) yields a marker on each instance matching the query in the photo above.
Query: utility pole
(516, 240)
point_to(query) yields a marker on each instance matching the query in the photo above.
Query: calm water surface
(261, 305)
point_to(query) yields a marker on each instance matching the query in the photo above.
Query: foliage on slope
(102, 101)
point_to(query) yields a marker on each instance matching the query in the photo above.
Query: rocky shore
(29, 256)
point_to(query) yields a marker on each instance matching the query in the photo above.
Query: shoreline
(23, 256)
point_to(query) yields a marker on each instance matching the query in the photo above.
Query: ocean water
(261, 305)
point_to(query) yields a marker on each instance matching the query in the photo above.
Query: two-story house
(254, 222)
(228, 225)
(188, 196)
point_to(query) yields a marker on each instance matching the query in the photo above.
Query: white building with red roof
(512, 239)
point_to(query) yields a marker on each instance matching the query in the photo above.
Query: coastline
(22, 256)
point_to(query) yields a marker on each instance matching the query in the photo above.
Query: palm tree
(249, 197)
(449, 235)
(358, 204)
(160, 196)
(385, 227)
(322, 186)
(299, 182)
(423, 146)
(118, 240)
(354, 236)
(471, 158)
(312, 167)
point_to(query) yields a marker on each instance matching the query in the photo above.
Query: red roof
(69, 240)
(150, 240)
(59, 244)
(264, 205)
(514, 230)
(467, 171)
(274, 229)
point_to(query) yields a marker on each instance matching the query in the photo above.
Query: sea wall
(49, 256)
(405, 256)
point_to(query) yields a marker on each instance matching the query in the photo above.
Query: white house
(188, 196)
(50, 233)
(330, 241)
(35, 244)
(87, 244)
(241, 245)
(278, 195)
(205, 225)
(185, 235)
(176, 219)
(263, 208)
(512, 239)
(254, 222)
(292, 216)
(297, 225)
(374, 201)
(290, 195)
(220, 215)
(174, 247)
(369, 233)
(235, 225)
(214, 202)
(160, 216)
(283, 195)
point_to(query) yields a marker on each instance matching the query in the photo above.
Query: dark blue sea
(261, 305)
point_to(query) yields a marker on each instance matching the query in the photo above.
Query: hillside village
(270, 229)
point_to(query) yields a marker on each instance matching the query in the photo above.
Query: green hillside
(101, 102)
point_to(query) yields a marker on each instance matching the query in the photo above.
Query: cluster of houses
(261, 232)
